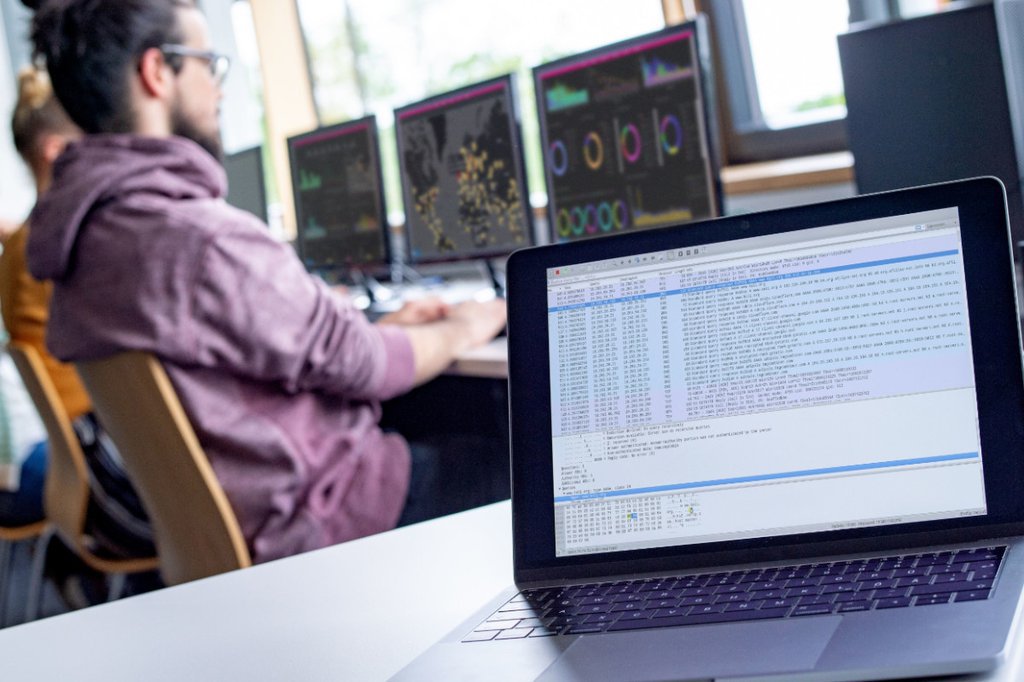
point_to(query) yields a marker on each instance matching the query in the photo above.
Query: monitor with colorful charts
(627, 134)
(339, 197)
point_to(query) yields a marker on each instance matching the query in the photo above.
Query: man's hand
(481, 321)
(436, 344)
(421, 311)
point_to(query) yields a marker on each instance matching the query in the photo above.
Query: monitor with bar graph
(628, 135)
(339, 198)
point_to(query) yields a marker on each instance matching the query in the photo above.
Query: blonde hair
(36, 113)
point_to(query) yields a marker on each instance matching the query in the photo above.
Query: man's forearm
(436, 345)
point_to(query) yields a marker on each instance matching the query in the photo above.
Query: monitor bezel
(508, 81)
(991, 291)
(257, 153)
(698, 27)
(331, 131)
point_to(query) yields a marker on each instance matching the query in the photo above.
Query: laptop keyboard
(786, 592)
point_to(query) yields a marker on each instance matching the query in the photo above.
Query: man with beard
(281, 378)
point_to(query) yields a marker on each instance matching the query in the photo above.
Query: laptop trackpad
(697, 652)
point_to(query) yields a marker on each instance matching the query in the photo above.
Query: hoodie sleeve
(256, 312)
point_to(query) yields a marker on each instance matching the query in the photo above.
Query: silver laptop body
(815, 413)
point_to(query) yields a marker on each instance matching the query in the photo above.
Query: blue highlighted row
(770, 477)
(755, 280)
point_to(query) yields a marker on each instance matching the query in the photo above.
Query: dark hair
(91, 46)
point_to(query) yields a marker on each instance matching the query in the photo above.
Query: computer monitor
(246, 188)
(938, 97)
(628, 135)
(463, 178)
(339, 197)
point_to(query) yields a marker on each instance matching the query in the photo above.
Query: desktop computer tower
(939, 97)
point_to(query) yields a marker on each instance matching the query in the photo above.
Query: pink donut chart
(630, 143)
(592, 219)
(669, 136)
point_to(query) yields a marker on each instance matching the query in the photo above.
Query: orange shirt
(25, 302)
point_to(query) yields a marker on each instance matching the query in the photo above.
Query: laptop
(782, 445)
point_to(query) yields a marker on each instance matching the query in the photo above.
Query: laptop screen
(805, 381)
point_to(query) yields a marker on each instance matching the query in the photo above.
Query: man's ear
(155, 74)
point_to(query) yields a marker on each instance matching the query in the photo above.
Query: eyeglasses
(219, 63)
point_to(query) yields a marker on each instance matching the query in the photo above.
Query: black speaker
(938, 97)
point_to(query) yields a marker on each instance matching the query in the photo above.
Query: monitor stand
(496, 276)
(382, 298)
(390, 295)
(408, 283)
(403, 273)
(375, 291)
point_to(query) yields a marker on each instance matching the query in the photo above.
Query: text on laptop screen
(804, 381)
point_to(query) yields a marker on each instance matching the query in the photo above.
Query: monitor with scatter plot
(246, 188)
(462, 171)
(339, 197)
(628, 135)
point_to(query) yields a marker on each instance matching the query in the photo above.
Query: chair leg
(115, 586)
(35, 583)
(6, 557)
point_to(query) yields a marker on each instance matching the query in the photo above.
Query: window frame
(746, 138)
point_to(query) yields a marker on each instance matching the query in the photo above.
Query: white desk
(318, 616)
(489, 362)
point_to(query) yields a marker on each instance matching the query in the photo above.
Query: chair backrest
(66, 493)
(196, 532)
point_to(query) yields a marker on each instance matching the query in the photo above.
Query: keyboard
(787, 592)
(452, 293)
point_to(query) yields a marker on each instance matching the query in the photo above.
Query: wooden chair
(66, 492)
(197, 534)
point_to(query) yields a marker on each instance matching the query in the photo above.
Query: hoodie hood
(100, 168)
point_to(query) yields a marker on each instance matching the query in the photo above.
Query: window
(780, 47)
(243, 119)
(17, 191)
(368, 57)
(244, 92)
(777, 71)
(14, 22)
(912, 8)
(778, 77)
(247, 65)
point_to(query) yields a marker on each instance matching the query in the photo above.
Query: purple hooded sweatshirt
(280, 377)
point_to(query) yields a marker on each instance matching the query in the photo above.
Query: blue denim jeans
(26, 505)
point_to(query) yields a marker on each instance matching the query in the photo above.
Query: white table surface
(317, 616)
(489, 361)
